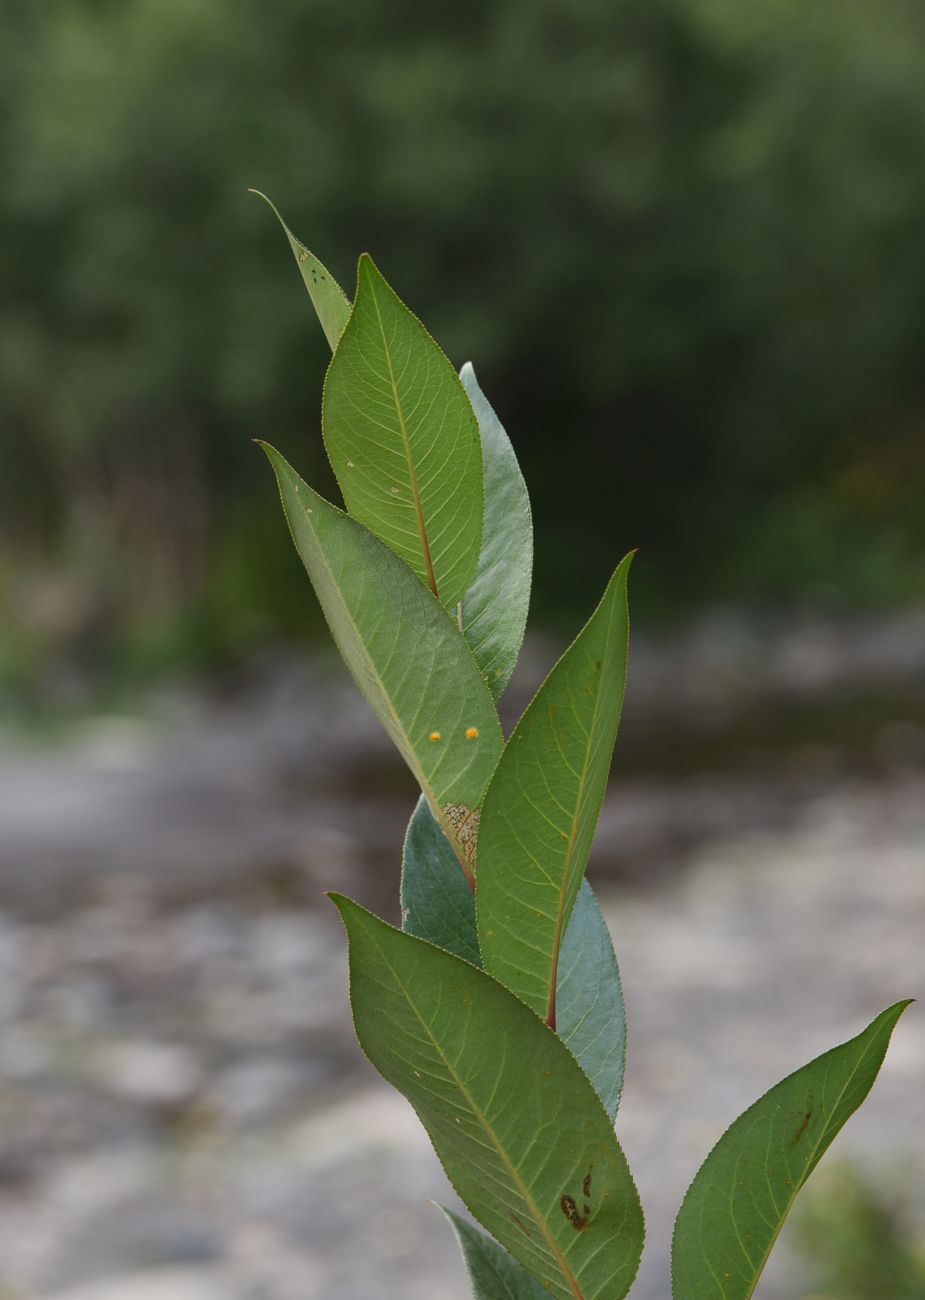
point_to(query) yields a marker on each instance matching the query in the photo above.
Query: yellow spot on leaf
(435, 736)
(471, 733)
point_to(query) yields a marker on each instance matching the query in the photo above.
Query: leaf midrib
(406, 442)
(570, 850)
(521, 1186)
(399, 726)
(809, 1168)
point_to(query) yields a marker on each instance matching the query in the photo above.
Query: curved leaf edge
(337, 899)
(620, 574)
(622, 570)
(366, 258)
(889, 1016)
(331, 328)
(562, 1033)
(273, 455)
(467, 375)
(460, 1228)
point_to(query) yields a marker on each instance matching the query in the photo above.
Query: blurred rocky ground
(183, 1112)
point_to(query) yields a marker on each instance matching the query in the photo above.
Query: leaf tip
(368, 270)
(269, 202)
(342, 903)
(268, 449)
(899, 1007)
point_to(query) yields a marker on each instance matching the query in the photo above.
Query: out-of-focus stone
(150, 1073)
(156, 1284)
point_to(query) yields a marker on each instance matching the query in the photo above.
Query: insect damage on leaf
(570, 1209)
(465, 824)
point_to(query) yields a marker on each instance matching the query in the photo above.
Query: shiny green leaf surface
(403, 439)
(438, 905)
(542, 806)
(494, 609)
(590, 1018)
(517, 1126)
(736, 1205)
(493, 1273)
(404, 651)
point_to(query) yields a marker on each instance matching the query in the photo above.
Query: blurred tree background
(681, 242)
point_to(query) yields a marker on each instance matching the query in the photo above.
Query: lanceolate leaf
(738, 1201)
(519, 1129)
(404, 651)
(495, 605)
(542, 806)
(438, 905)
(493, 1273)
(403, 439)
(494, 609)
(590, 1017)
(329, 300)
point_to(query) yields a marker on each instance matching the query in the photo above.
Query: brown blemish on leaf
(586, 1185)
(569, 1208)
(804, 1125)
(465, 824)
(519, 1223)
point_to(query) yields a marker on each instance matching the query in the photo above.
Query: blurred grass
(856, 1233)
(681, 243)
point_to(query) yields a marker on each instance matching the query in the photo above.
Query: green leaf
(494, 609)
(403, 439)
(405, 653)
(438, 905)
(542, 806)
(517, 1126)
(437, 902)
(493, 1273)
(590, 1017)
(329, 300)
(736, 1205)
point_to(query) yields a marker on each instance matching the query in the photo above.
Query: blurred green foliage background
(682, 243)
